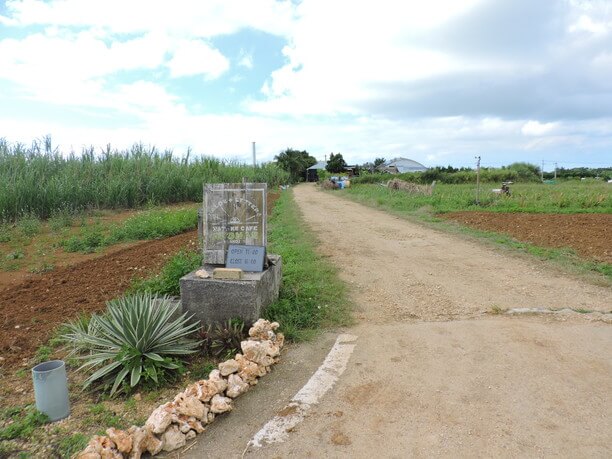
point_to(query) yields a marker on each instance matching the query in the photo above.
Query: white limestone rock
(255, 351)
(220, 404)
(236, 386)
(189, 405)
(160, 418)
(121, 438)
(228, 367)
(220, 382)
(173, 439)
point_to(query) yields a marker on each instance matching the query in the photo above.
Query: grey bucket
(51, 389)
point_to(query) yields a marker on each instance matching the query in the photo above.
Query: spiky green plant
(225, 337)
(136, 337)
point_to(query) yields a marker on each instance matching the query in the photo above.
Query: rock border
(172, 424)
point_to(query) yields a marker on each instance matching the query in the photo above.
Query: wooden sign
(234, 213)
(249, 258)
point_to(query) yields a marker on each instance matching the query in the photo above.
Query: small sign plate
(246, 257)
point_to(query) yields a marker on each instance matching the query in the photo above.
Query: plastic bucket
(51, 389)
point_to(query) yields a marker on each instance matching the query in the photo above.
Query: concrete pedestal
(216, 300)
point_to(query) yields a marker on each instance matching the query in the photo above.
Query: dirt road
(433, 373)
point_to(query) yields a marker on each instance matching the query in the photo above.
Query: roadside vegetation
(40, 181)
(573, 196)
(564, 197)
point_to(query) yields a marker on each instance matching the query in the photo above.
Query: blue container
(51, 389)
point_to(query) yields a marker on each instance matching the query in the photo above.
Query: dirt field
(32, 305)
(30, 310)
(590, 235)
(438, 369)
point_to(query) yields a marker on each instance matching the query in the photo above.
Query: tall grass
(39, 180)
(566, 197)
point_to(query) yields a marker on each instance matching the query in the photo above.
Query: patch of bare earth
(30, 310)
(589, 235)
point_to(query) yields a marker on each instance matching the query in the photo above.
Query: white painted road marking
(277, 429)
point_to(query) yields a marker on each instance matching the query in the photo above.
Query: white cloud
(537, 129)
(194, 57)
(183, 18)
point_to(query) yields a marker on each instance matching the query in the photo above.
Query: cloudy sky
(438, 81)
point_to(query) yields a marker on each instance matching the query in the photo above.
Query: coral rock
(190, 435)
(211, 417)
(160, 418)
(220, 404)
(228, 367)
(280, 340)
(216, 378)
(173, 439)
(255, 351)
(190, 406)
(153, 444)
(187, 423)
(121, 438)
(272, 349)
(203, 390)
(89, 453)
(138, 435)
(249, 371)
(110, 454)
(236, 386)
(263, 329)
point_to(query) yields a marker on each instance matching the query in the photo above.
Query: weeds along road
(433, 373)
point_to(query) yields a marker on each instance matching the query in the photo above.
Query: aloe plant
(135, 338)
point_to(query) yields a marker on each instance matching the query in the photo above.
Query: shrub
(136, 337)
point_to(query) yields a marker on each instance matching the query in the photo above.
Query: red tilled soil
(590, 235)
(30, 310)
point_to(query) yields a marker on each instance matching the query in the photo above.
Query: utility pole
(555, 171)
(254, 156)
(478, 180)
(542, 172)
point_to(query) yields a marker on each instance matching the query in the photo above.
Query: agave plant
(136, 337)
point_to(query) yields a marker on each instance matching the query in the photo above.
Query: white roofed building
(401, 165)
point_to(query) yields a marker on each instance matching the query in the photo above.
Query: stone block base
(216, 300)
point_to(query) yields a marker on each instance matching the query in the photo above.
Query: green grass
(167, 281)
(151, 224)
(312, 295)
(39, 180)
(565, 197)
(72, 444)
(100, 415)
(22, 421)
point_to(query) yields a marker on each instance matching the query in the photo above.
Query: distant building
(311, 172)
(313, 176)
(401, 165)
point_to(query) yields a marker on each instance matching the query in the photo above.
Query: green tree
(379, 161)
(295, 162)
(336, 163)
(526, 171)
